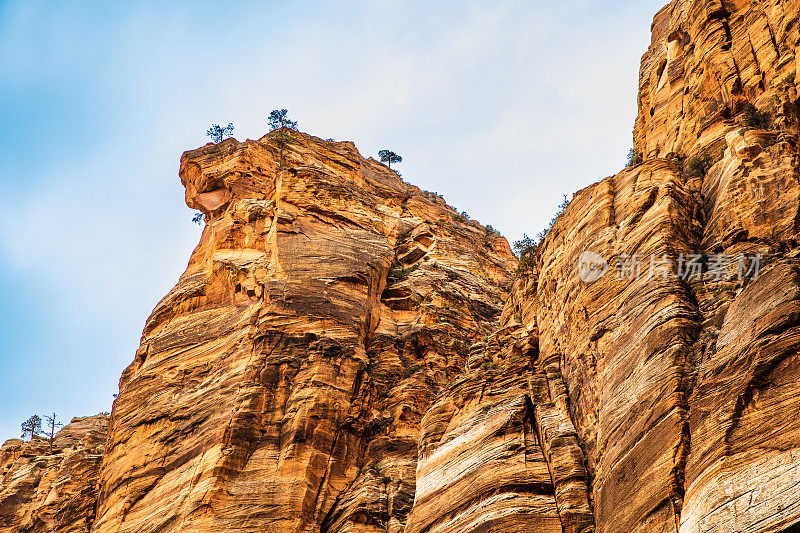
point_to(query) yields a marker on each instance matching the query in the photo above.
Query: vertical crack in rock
(563, 454)
(690, 364)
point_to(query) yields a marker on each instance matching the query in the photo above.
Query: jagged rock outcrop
(47, 487)
(346, 353)
(682, 389)
(706, 61)
(498, 450)
(280, 385)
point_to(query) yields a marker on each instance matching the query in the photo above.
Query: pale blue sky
(500, 106)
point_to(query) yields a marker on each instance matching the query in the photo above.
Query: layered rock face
(683, 389)
(48, 486)
(706, 61)
(498, 450)
(280, 385)
(346, 353)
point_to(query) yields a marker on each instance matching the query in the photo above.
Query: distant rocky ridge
(53, 486)
(345, 353)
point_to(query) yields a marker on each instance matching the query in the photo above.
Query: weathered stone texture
(346, 353)
(52, 487)
(707, 59)
(498, 451)
(280, 385)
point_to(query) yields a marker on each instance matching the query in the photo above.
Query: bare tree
(32, 426)
(52, 424)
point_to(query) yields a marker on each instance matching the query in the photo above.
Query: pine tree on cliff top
(32, 426)
(279, 120)
(389, 157)
(218, 133)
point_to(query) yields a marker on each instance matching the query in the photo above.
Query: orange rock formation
(346, 353)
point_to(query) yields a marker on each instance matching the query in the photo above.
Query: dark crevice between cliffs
(794, 528)
(568, 515)
(702, 339)
(530, 424)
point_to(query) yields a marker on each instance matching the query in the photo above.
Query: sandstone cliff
(280, 385)
(52, 486)
(345, 353)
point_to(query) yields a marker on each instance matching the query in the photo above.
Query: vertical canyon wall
(347, 353)
(280, 385)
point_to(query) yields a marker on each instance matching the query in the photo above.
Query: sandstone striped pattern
(52, 486)
(346, 354)
(280, 385)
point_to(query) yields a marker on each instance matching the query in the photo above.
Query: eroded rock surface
(52, 487)
(346, 353)
(707, 60)
(498, 450)
(280, 385)
(682, 390)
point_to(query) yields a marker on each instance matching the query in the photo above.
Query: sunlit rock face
(707, 60)
(48, 486)
(280, 385)
(682, 390)
(345, 353)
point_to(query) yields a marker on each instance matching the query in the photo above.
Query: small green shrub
(386, 480)
(526, 247)
(698, 166)
(756, 120)
(489, 233)
(526, 251)
(462, 217)
(635, 158)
